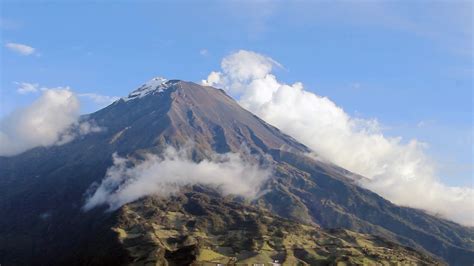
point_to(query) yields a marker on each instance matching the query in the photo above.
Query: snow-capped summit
(155, 85)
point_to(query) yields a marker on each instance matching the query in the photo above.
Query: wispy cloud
(21, 49)
(255, 16)
(99, 98)
(26, 87)
(96, 98)
(447, 24)
(425, 123)
(9, 24)
(204, 52)
(400, 171)
(355, 85)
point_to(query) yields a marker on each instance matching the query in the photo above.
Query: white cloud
(21, 49)
(99, 99)
(213, 78)
(399, 171)
(240, 69)
(25, 87)
(52, 119)
(165, 175)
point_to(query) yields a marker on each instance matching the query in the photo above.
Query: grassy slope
(199, 228)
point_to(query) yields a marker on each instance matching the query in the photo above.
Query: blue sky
(409, 64)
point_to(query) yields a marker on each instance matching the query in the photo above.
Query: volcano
(310, 211)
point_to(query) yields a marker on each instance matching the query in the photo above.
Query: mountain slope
(42, 190)
(201, 227)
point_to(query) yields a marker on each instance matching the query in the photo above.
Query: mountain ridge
(302, 189)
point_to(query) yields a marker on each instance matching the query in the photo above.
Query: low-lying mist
(128, 180)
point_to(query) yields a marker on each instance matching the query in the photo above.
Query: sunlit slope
(196, 227)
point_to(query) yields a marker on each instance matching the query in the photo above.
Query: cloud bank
(52, 119)
(399, 171)
(165, 175)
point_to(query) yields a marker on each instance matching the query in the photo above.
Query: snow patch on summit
(156, 85)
